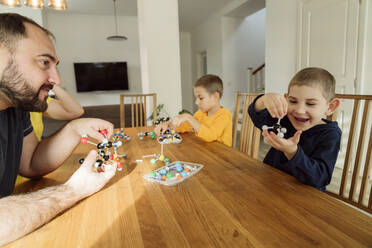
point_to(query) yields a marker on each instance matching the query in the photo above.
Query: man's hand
(91, 127)
(274, 103)
(287, 146)
(85, 181)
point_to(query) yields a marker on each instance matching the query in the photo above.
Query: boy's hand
(85, 181)
(287, 146)
(161, 128)
(181, 118)
(274, 103)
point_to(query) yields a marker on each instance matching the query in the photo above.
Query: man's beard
(19, 92)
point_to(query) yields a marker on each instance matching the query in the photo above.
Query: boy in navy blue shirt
(311, 144)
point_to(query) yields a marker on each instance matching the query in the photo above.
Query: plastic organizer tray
(173, 173)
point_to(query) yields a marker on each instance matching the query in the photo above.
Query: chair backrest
(351, 179)
(139, 106)
(246, 137)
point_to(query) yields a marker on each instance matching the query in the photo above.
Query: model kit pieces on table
(173, 173)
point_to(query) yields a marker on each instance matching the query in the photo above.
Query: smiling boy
(310, 147)
(212, 122)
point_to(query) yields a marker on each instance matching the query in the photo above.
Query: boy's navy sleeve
(316, 168)
(260, 118)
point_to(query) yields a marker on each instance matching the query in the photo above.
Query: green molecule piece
(166, 160)
(152, 174)
(169, 175)
(153, 161)
(153, 137)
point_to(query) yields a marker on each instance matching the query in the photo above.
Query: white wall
(82, 38)
(365, 54)
(186, 71)
(243, 46)
(160, 52)
(281, 45)
(232, 44)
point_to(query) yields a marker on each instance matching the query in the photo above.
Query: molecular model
(173, 173)
(277, 127)
(105, 157)
(145, 134)
(158, 157)
(120, 135)
(170, 137)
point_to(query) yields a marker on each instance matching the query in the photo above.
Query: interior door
(328, 33)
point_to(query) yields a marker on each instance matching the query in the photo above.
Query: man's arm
(42, 158)
(21, 214)
(65, 107)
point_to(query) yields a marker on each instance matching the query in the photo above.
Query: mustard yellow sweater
(217, 127)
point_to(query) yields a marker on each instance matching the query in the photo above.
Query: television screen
(101, 76)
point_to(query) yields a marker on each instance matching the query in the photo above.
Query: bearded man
(28, 70)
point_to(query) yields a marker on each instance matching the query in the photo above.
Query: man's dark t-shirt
(14, 126)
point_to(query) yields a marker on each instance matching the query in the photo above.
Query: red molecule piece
(104, 131)
(84, 140)
(111, 156)
(120, 165)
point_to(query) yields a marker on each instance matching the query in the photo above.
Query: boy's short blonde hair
(315, 77)
(211, 83)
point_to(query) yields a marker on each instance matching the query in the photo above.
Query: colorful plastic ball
(169, 175)
(153, 160)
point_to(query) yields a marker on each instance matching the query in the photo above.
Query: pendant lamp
(116, 37)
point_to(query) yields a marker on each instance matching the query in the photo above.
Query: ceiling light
(35, 4)
(11, 3)
(116, 37)
(57, 4)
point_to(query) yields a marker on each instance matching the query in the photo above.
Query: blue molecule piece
(158, 177)
(184, 174)
(179, 168)
(178, 163)
(163, 171)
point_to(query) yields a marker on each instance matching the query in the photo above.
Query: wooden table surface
(234, 201)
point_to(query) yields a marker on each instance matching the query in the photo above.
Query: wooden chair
(246, 137)
(351, 180)
(138, 109)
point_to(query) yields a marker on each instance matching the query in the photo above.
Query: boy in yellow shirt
(212, 122)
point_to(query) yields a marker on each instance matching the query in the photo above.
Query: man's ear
(333, 106)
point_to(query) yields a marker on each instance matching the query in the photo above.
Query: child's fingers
(297, 136)
(275, 140)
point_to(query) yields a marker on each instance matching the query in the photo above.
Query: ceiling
(191, 12)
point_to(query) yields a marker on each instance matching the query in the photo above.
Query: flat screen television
(101, 76)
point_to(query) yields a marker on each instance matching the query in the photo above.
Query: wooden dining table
(233, 201)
